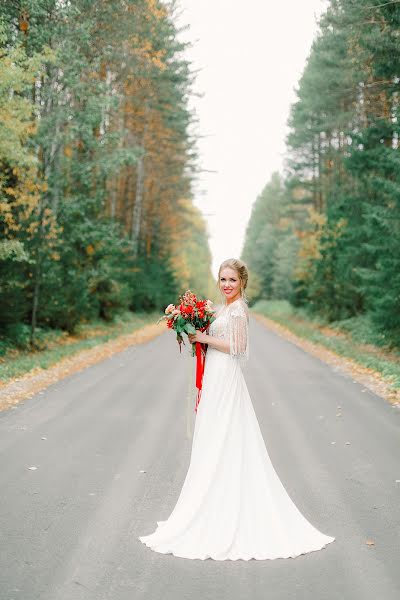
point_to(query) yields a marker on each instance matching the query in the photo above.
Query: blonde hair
(241, 269)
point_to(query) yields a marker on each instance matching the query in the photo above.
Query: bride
(232, 504)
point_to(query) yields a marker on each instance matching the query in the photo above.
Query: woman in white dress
(232, 504)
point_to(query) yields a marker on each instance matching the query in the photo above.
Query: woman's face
(229, 284)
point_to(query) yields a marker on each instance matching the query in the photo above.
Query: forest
(325, 234)
(97, 160)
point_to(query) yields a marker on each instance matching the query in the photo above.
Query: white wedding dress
(232, 504)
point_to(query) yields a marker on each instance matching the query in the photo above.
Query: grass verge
(57, 345)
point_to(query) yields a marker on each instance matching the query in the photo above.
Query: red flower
(170, 323)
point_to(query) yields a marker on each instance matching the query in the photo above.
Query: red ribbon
(201, 350)
(200, 356)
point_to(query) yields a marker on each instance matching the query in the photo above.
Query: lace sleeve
(239, 333)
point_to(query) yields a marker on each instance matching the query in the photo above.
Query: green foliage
(153, 284)
(19, 334)
(13, 275)
(88, 90)
(269, 238)
(284, 259)
(341, 188)
(377, 166)
(55, 345)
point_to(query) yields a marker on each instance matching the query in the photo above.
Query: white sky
(251, 56)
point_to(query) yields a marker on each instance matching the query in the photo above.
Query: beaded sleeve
(238, 332)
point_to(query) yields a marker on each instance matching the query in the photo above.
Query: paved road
(69, 528)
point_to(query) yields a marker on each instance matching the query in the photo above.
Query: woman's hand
(199, 336)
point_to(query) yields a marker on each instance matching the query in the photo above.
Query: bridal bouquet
(189, 315)
(186, 317)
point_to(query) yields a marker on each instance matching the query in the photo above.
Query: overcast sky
(251, 56)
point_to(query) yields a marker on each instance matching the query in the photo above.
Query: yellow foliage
(10, 191)
(156, 9)
(144, 51)
(312, 244)
(68, 152)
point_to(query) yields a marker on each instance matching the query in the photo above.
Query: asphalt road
(69, 527)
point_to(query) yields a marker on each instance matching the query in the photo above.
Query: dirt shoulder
(370, 378)
(36, 380)
(20, 388)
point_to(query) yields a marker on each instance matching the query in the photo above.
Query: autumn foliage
(97, 163)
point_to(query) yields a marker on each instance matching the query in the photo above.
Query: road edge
(36, 380)
(369, 378)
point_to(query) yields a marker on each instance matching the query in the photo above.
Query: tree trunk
(139, 195)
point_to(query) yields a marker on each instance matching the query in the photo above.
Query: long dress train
(232, 504)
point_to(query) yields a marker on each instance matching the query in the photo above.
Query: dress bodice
(231, 323)
(218, 328)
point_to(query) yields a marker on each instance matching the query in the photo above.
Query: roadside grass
(353, 338)
(53, 345)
